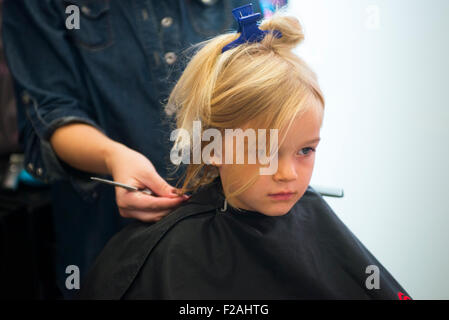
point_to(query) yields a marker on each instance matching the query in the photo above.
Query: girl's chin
(277, 210)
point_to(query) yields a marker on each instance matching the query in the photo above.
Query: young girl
(244, 234)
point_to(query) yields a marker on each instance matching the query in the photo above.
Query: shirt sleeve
(49, 87)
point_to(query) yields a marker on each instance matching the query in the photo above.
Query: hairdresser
(91, 103)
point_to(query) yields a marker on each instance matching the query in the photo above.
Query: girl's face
(296, 158)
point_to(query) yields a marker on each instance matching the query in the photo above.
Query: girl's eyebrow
(313, 141)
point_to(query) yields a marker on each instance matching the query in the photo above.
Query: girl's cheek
(305, 165)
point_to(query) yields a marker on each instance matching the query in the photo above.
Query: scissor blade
(118, 184)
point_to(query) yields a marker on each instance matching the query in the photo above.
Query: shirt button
(85, 10)
(30, 166)
(25, 98)
(167, 22)
(209, 2)
(170, 57)
(145, 14)
(39, 171)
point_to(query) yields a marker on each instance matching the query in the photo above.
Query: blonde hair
(263, 82)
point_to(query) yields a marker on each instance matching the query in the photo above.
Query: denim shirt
(115, 72)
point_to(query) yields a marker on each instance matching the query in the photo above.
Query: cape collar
(209, 195)
(212, 196)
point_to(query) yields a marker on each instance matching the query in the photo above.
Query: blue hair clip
(248, 27)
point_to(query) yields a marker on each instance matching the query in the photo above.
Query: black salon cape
(199, 252)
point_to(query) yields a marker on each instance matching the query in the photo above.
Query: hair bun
(289, 26)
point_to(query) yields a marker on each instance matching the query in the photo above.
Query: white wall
(385, 135)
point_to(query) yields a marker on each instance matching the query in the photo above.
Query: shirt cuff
(54, 169)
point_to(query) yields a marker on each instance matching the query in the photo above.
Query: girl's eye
(306, 151)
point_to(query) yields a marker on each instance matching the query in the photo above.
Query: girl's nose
(286, 171)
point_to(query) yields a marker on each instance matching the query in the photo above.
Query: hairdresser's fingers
(140, 201)
(131, 167)
(144, 216)
(157, 184)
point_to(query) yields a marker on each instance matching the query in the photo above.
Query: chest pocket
(95, 28)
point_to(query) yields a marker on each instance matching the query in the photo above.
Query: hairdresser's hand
(132, 168)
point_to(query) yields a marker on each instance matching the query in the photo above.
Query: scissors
(125, 186)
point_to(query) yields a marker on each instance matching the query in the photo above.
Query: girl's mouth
(282, 196)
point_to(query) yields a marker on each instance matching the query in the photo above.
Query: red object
(403, 296)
